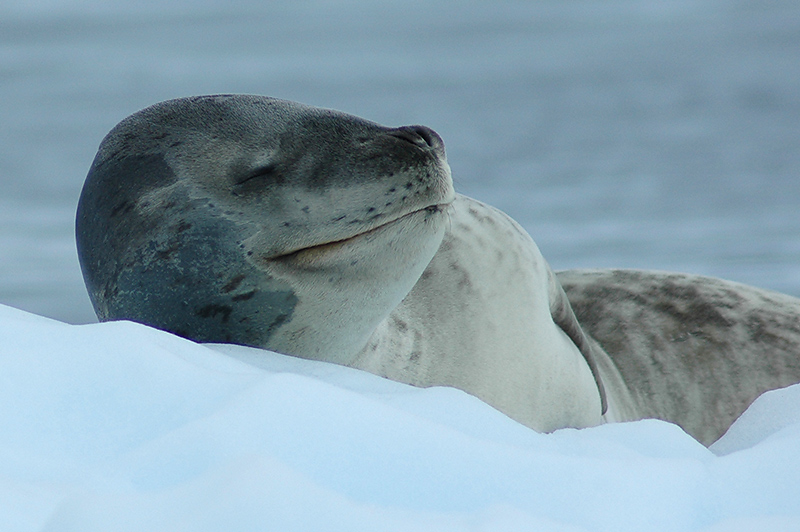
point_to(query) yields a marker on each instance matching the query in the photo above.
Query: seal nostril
(426, 133)
(421, 136)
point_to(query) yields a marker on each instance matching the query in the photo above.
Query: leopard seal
(263, 222)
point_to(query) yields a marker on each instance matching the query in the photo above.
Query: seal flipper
(564, 317)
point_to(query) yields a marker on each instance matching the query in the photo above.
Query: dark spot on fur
(183, 226)
(764, 330)
(169, 252)
(212, 311)
(464, 281)
(279, 320)
(465, 228)
(686, 305)
(124, 208)
(233, 284)
(245, 296)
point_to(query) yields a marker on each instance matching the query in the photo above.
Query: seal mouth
(333, 244)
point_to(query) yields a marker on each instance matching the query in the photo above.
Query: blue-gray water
(631, 133)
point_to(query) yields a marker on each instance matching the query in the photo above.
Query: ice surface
(117, 426)
(774, 415)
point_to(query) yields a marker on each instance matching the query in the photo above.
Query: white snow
(117, 426)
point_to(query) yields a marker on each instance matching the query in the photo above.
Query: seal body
(692, 350)
(480, 319)
(314, 233)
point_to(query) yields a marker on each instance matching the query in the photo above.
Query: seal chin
(313, 256)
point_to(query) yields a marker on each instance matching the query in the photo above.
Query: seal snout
(421, 136)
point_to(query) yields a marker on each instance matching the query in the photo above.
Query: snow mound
(118, 426)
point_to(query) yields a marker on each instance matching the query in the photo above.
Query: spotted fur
(692, 350)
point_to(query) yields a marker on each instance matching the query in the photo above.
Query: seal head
(262, 222)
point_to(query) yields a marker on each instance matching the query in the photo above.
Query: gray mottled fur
(692, 350)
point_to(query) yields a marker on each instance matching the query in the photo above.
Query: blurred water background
(619, 133)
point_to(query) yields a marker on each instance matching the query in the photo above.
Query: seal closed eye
(265, 172)
(314, 233)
